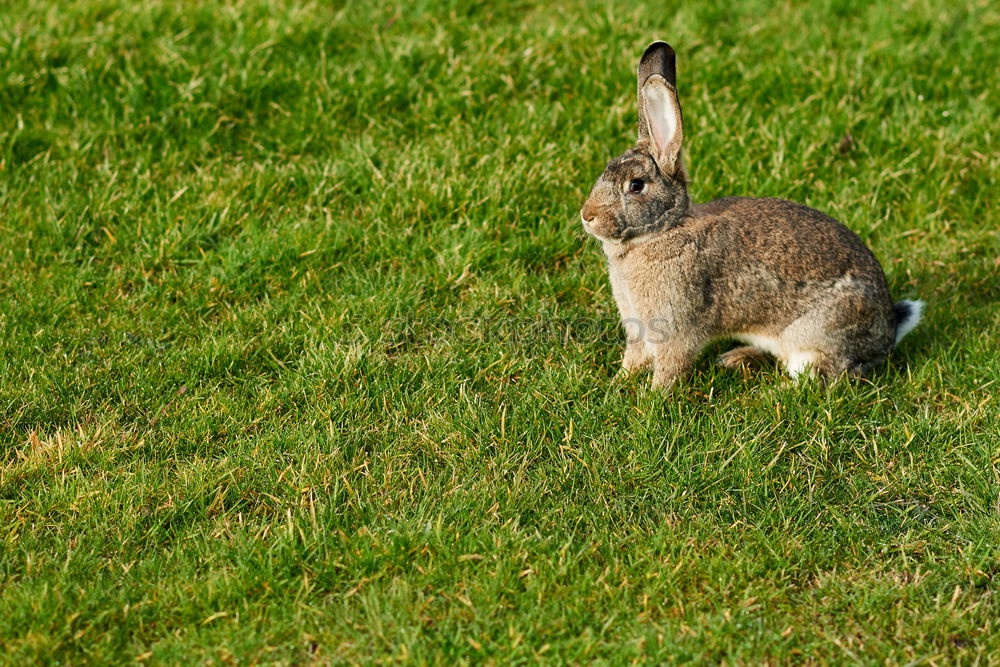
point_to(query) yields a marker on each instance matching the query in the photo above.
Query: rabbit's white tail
(908, 314)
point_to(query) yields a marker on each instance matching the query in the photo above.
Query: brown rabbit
(784, 279)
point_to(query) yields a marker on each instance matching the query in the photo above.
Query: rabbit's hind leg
(844, 337)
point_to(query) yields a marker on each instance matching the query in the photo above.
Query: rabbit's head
(645, 189)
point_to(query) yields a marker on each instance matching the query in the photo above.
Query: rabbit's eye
(636, 185)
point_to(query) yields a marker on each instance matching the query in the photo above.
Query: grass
(304, 356)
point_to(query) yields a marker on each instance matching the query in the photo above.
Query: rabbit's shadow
(765, 377)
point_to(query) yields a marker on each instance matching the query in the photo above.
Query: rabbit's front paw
(670, 364)
(634, 360)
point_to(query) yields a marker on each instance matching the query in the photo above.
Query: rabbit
(783, 279)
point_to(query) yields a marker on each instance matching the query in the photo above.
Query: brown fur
(785, 278)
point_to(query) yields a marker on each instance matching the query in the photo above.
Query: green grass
(277, 382)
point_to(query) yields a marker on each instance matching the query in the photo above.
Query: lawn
(305, 357)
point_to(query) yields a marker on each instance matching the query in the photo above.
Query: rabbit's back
(758, 264)
(790, 240)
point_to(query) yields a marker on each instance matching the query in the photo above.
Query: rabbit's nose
(588, 213)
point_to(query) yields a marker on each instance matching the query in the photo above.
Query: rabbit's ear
(658, 58)
(659, 111)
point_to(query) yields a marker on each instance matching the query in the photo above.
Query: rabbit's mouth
(601, 232)
(601, 228)
(608, 229)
